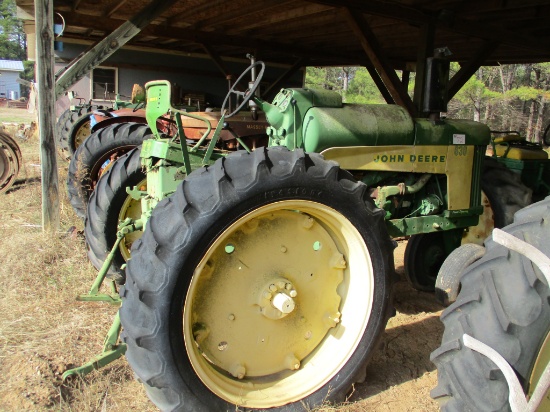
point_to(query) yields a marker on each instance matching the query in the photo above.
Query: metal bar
(111, 352)
(110, 44)
(183, 143)
(427, 33)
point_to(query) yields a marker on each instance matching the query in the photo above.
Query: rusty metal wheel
(10, 161)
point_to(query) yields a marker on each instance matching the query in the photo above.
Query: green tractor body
(424, 174)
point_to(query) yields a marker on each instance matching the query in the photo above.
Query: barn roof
(11, 65)
(323, 32)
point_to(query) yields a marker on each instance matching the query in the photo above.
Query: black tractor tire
(504, 303)
(61, 131)
(104, 208)
(247, 200)
(77, 127)
(505, 191)
(95, 154)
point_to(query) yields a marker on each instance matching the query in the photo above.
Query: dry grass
(44, 330)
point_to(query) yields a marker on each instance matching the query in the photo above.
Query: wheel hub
(276, 299)
(267, 296)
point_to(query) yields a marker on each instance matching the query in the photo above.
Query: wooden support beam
(43, 11)
(372, 48)
(298, 64)
(394, 10)
(204, 37)
(405, 78)
(468, 69)
(426, 49)
(109, 13)
(379, 83)
(216, 59)
(110, 44)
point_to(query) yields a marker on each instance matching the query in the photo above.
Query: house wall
(191, 74)
(8, 84)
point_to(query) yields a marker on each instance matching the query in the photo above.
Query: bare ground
(44, 330)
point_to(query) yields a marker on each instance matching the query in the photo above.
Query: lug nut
(307, 222)
(238, 371)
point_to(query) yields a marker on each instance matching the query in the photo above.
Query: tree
(13, 43)
(12, 37)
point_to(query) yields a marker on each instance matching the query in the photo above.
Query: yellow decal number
(461, 150)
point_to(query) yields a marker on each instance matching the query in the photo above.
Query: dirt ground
(44, 330)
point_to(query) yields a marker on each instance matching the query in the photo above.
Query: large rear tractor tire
(10, 161)
(109, 205)
(264, 281)
(504, 303)
(95, 155)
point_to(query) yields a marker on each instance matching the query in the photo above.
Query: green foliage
(362, 89)
(525, 93)
(353, 83)
(12, 36)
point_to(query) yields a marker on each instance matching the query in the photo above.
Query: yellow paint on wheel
(278, 304)
(131, 208)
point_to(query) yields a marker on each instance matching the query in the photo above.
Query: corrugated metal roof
(12, 65)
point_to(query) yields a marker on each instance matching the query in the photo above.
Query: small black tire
(60, 131)
(447, 284)
(504, 303)
(90, 159)
(104, 209)
(505, 191)
(190, 230)
(77, 127)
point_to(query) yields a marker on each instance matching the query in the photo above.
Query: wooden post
(43, 11)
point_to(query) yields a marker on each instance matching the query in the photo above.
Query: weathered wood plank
(43, 10)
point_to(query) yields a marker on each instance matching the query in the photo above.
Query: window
(104, 83)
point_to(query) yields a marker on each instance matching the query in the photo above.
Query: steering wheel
(248, 93)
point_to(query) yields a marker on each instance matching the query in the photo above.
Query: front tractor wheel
(264, 281)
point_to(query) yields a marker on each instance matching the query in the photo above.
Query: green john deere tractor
(264, 279)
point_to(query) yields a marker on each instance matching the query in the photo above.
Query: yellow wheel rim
(278, 304)
(82, 134)
(131, 208)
